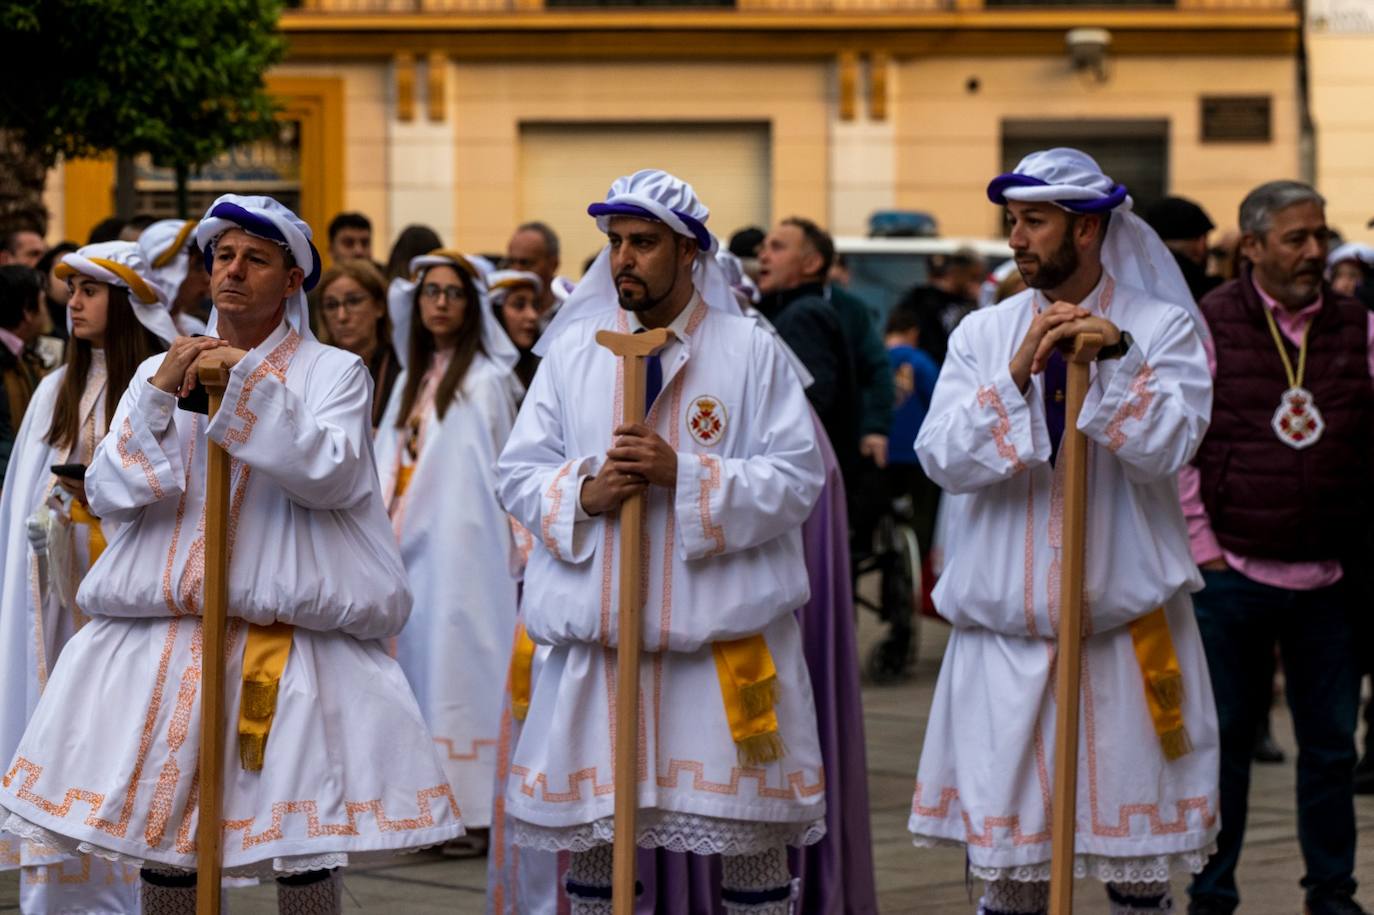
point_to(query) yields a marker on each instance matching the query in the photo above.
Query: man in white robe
(1147, 761)
(727, 458)
(328, 761)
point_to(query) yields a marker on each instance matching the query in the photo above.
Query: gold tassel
(759, 698)
(252, 749)
(760, 749)
(1175, 743)
(1168, 688)
(259, 699)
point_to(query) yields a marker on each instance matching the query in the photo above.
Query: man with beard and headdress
(728, 462)
(1147, 795)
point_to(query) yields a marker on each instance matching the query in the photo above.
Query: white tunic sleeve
(727, 504)
(980, 429)
(139, 463)
(314, 452)
(1152, 407)
(539, 484)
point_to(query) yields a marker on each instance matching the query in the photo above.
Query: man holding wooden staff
(1147, 758)
(728, 756)
(327, 761)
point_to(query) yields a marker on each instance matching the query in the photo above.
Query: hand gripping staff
(214, 376)
(1074, 453)
(632, 350)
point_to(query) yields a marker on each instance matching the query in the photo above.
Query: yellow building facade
(473, 115)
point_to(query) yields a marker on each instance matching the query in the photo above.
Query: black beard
(648, 302)
(1062, 264)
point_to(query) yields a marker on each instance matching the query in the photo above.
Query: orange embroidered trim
(988, 396)
(137, 457)
(476, 746)
(555, 497)
(796, 782)
(1028, 570)
(275, 364)
(523, 539)
(1137, 403)
(168, 594)
(709, 484)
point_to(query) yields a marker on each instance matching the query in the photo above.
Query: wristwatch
(1117, 349)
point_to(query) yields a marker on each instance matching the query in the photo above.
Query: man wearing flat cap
(1183, 227)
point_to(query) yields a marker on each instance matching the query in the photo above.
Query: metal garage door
(564, 167)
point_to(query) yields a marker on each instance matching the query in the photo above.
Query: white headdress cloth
(1132, 252)
(155, 243)
(1352, 251)
(499, 282)
(667, 199)
(400, 303)
(293, 230)
(152, 315)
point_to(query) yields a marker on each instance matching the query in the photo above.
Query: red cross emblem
(706, 420)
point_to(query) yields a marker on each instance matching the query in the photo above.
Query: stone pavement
(910, 880)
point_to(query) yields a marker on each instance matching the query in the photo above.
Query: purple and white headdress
(1132, 252)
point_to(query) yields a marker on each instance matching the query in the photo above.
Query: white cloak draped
(457, 548)
(723, 560)
(108, 763)
(986, 769)
(36, 623)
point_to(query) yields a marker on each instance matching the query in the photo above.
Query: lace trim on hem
(673, 831)
(273, 867)
(1104, 868)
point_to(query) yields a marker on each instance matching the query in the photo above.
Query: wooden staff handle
(1073, 451)
(632, 349)
(209, 836)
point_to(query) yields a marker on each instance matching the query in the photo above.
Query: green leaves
(178, 79)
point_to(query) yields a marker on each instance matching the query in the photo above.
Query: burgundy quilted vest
(1265, 499)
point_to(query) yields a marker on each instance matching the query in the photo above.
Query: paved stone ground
(910, 880)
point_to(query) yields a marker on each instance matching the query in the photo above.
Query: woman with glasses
(447, 420)
(352, 296)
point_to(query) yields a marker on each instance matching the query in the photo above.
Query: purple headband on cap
(263, 228)
(998, 186)
(699, 231)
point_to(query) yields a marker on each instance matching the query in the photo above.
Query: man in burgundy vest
(1277, 496)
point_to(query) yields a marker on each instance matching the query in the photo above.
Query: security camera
(1088, 50)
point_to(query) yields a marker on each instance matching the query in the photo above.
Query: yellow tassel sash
(748, 687)
(96, 542)
(521, 666)
(264, 658)
(1163, 679)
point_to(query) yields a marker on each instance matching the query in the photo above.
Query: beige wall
(490, 101)
(368, 110)
(1342, 81)
(948, 141)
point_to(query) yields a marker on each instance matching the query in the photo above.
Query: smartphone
(70, 471)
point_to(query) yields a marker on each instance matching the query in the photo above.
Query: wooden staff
(632, 350)
(213, 376)
(1073, 451)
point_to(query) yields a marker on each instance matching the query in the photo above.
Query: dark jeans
(1240, 621)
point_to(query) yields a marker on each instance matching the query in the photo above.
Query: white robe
(36, 623)
(457, 548)
(109, 760)
(723, 560)
(986, 770)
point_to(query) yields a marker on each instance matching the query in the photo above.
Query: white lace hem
(680, 832)
(272, 867)
(1148, 869)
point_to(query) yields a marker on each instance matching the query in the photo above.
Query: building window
(271, 166)
(1134, 153)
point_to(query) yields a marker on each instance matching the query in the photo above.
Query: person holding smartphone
(49, 537)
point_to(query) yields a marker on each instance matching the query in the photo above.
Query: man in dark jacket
(1277, 498)
(793, 264)
(1184, 226)
(946, 300)
(21, 320)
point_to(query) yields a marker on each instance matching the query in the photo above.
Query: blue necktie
(653, 378)
(1056, 392)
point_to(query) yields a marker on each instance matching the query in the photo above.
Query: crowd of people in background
(449, 342)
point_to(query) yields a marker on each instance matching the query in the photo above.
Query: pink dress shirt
(1293, 576)
(12, 342)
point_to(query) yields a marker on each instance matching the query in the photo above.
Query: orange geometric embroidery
(988, 396)
(137, 457)
(555, 497)
(275, 364)
(796, 782)
(710, 484)
(476, 747)
(1137, 403)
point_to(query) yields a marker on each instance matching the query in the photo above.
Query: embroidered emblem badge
(1297, 422)
(706, 421)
